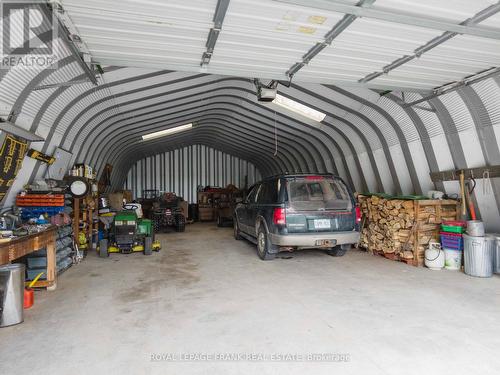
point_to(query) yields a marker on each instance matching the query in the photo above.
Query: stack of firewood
(388, 224)
(402, 228)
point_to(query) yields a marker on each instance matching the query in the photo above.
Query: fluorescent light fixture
(299, 108)
(168, 131)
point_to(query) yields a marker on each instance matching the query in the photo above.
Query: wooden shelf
(85, 211)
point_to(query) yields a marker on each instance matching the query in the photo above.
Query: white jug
(434, 256)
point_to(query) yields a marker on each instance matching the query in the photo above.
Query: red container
(29, 297)
(455, 223)
(451, 235)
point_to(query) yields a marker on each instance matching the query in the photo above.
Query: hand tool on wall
(470, 186)
(486, 182)
(462, 193)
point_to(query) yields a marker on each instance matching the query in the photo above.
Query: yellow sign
(41, 156)
(11, 160)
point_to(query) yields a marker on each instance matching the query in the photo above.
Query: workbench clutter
(48, 230)
(40, 266)
(39, 207)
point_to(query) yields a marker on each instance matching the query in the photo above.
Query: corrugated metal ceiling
(264, 38)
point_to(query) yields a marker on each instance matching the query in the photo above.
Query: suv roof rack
(287, 174)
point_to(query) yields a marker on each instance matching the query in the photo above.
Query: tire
(156, 223)
(180, 223)
(263, 245)
(103, 248)
(338, 250)
(148, 245)
(236, 229)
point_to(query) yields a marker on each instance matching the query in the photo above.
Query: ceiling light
(299, 108)
(168, 131)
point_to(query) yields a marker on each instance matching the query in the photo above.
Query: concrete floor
(207, 294)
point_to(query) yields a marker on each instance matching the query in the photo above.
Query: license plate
(326, 243)
(322, 224)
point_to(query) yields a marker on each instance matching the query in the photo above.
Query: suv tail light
(279, 216)
(358, 215)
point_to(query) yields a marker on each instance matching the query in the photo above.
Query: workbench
(23, 245)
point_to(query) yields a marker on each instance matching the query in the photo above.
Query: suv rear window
(252, 193)
(318, 193)
(268, 193)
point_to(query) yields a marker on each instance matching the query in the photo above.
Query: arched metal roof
(375, 142)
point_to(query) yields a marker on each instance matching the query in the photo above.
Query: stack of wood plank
(401, 229)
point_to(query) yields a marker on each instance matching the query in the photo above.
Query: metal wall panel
(183, 170)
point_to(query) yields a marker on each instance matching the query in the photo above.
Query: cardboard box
(116, 201)
(184, 208)
(206, 214)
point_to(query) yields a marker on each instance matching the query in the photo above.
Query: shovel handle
(35, 280)
(462, 192)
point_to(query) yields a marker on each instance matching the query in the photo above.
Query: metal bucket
(12, 291)
(475, 228)
(478, 255)
(103, 202)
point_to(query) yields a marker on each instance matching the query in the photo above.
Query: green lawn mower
(128, 234)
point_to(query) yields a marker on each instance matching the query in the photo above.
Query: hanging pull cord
(275, 136)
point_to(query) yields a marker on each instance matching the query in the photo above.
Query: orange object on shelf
(29, 200)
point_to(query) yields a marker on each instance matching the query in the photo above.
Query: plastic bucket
(452, 259)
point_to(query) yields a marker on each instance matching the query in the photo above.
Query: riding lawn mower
(129, 233)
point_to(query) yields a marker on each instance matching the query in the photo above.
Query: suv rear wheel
(263, 245)
(338, 250)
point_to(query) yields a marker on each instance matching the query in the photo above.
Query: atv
(129, 234)
(167, 213)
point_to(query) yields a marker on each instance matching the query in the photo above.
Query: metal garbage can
(12, 294)
(496, 252)
(478, 255)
